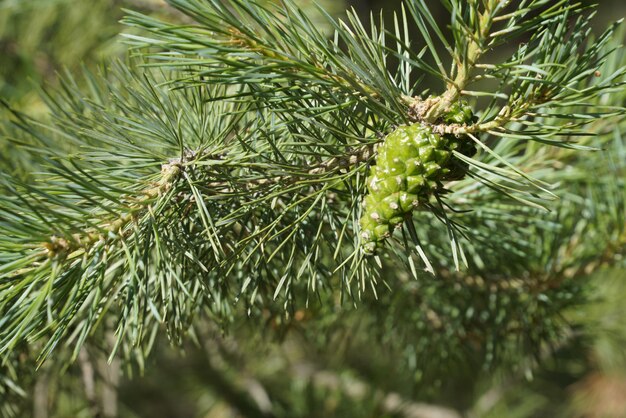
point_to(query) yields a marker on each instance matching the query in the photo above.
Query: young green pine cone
(411, 163)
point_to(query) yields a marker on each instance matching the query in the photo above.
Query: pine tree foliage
(130, 185)
(315, 86)
(222, 173)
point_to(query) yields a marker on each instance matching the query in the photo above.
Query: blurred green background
(313, 369)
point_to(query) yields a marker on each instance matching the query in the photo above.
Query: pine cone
(410, 165)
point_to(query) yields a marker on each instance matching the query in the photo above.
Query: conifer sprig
(367, 77)
(245, 183)
(169, 204)
(81, 235)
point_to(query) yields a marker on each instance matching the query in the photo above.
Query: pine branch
(313, 84)
(244, 183)
(126, 229)
(477, 28)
